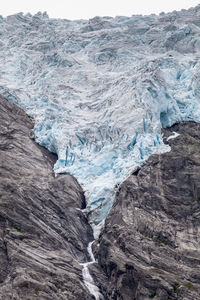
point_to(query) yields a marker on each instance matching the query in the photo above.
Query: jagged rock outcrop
(43, 232)
(150, 246)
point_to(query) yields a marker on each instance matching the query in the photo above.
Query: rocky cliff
(150, 246)
(43, 232)
(99, 92)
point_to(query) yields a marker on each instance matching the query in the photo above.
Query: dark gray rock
(150, 246)
(43, 232)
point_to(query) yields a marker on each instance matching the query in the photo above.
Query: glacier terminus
(100, 90)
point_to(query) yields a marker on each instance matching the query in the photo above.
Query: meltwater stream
(100, 90)
(88, 280)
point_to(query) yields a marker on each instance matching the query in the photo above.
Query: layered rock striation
(99, 92)
(150, 246)
(43, 232)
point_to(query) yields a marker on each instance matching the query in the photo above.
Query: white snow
(173, 136)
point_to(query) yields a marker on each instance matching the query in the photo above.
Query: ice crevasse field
(100, 90)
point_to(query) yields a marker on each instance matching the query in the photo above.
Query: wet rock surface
(43, 232)
(150, 246)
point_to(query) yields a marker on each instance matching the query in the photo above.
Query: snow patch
(175, 134)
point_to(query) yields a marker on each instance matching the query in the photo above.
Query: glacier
(100, 90)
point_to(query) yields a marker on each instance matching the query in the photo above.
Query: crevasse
(100, 90)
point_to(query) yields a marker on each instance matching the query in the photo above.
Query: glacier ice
(100, 90)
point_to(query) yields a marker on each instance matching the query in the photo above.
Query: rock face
(150, 246)
(43, 232)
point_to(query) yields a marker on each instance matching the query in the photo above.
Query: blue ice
(100, 90)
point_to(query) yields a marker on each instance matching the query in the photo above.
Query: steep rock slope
(43, 233)
(150, 246)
